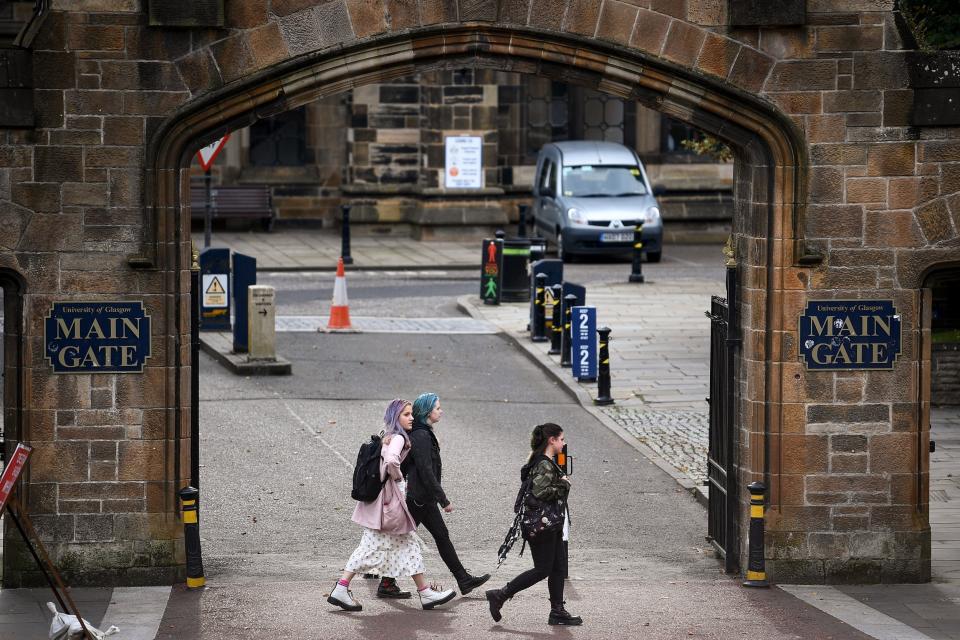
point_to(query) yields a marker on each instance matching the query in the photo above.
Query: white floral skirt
(387, 554)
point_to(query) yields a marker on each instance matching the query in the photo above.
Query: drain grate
(939, 495)
(391, 325)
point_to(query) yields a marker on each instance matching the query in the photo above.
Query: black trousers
(429, 516)
(550, 562)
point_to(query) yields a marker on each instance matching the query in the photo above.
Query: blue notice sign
(583, 343)
(849, 334)
(97, 337)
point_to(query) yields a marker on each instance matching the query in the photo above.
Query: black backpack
(366, 474)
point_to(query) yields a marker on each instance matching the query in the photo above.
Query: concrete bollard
(569, 301)
(345, 235)
(603, 368)
(556, 330)
(190, 502)
(756, 569)
(262, 336)
(539, 328)
(636, 272)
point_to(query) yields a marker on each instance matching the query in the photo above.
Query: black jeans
(549, 561)
(429, 516)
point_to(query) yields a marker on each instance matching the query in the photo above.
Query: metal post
(756, 571)
(565, 342)
(636, 273)
(190, 500)
(539, 312)
(345, 235)
(556, 332)
(499, 234)
(195, 371)
(603, 369)
(207, 211)
(522, 221)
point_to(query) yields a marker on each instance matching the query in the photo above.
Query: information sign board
(97, 337)
(464, 162)
(583, 343)
(849, 334)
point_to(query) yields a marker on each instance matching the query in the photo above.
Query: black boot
(388, 589)
(559, 615)
(496, 598)
(468, 583)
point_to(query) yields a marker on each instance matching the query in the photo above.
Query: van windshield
(608, 181)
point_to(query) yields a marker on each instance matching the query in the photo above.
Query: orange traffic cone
(340, 309)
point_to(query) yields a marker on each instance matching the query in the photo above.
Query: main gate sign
(97, 337)
(850, 334)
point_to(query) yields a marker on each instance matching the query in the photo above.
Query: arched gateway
(836, 199)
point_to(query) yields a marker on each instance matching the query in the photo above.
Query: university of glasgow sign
(850, 334)
(97, 337)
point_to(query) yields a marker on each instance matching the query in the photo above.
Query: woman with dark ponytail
(542, 482)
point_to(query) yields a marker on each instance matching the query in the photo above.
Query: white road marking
(316, 434)
(856, 614)
(367, 324)
(136, 611)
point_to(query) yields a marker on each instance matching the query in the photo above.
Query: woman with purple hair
(389, 546)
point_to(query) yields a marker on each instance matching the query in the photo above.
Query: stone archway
(770, 173)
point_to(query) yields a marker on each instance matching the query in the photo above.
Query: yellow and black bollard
(539, 328)
(565, 339)
(636, 273)
(556, 330)
(190, 501)
(756, 573)
(603, 368)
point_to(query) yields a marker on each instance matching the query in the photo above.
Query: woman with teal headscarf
(425, 495)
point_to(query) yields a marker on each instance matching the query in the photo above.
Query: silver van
(589, 196)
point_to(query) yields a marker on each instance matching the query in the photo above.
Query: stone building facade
(838, 194)
(380, 148)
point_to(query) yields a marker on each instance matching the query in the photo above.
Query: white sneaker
(343, 598)
(432, 597)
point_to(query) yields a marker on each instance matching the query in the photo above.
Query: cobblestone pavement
(679, 437)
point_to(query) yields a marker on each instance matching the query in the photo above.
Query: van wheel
(653, 256)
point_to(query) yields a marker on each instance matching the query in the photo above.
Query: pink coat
(370, 514)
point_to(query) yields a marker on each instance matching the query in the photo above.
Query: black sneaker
(560, 616)
(469, 583)
(388, 589)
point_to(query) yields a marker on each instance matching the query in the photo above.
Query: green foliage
(708, 145)
(945, 336)
(935, 24)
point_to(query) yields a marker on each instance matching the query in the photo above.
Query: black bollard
(522, 221)
(190, 499)
(603, 368)
(539, 310)
(636, 273)
(499, 234)
(345, 235)
(756, 571)
(556, 333)
(565, 342)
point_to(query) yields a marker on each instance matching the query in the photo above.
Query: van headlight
(651, 215)
(575, 215)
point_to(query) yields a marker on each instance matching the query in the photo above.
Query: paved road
(275, 514)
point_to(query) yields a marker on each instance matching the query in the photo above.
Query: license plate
(623, 236)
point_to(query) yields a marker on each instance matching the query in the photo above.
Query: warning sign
(215, 287)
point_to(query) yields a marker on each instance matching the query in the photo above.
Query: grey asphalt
(276, 507)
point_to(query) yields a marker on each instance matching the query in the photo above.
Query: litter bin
(515, 286)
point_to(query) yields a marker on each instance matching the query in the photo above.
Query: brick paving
(679, 437)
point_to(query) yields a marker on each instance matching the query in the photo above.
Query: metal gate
(721, 471)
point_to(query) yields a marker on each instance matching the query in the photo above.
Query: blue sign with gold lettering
(97, 337)
(850, 334)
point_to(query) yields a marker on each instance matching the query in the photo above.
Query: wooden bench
(234, 201)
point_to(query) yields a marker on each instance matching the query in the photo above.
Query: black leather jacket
(424, 467)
